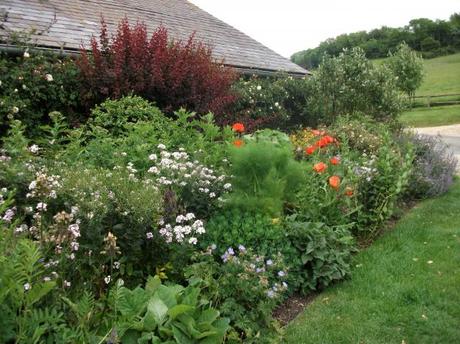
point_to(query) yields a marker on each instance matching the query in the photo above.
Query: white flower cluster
(34, 149)
(186, 228)
(367, 170)
(178, 169)
(44, 186)
(9, 214)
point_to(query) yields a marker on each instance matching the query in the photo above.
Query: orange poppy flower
(238, 143)
(348, 191)
(310, 150)
(238, 127)
(334, 160)
(320, 167)
(334, 182)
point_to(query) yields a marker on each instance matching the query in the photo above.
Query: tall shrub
(171, 73)
(408, 67)
(351, 83)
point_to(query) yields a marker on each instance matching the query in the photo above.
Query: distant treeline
(430, 38)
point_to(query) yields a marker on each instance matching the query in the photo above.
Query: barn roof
(69, 24)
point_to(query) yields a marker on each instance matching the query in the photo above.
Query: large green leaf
(149, 321)
(158, 309)
(177, 310)
(132, 303)
(208, 316)
(181, 337)
(167, 295)
(221, 327)
(191, 296)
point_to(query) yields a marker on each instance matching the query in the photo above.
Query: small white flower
(15, 109)
(190, 216)
(193, 241)
(46, 279)
(107, 279)
(161, 146)
(149, 235)
(27, 286)
(49, 77)
(153, 157)
(259, 88)
(41, 206)
(67, 284)
(180, 219)
(26, 54)
(227, 186)
(153, 169)
(34, 149)
(116, 265)
(74, 246)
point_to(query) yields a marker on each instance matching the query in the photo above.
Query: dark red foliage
(171, 73)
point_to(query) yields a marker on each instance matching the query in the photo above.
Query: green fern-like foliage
(22, 289)
(265, 176)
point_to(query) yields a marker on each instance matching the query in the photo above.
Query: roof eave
(16, 50)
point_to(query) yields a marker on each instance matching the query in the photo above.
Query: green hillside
(442, 76)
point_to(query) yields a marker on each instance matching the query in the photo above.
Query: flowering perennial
(184, 229)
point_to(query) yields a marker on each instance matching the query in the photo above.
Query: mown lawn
(431, 117)
(405, 288)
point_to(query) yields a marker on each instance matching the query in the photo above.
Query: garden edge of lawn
(431, 117)
(404, 288)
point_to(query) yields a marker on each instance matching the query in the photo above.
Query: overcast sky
(287, 26)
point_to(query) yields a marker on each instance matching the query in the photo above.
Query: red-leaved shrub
(169, 72)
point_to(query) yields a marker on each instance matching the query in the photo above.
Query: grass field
(442, 76)
(404, 288)
(431, 117)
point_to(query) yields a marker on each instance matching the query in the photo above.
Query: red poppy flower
(310, 150)
(334, 160)
(321, 143)
(348, 191)
(328, 139)
(334, 182)
(238, 143)
(320, 167)
(238, 127)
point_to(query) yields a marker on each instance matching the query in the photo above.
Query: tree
(350, 83)
(407, 66)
